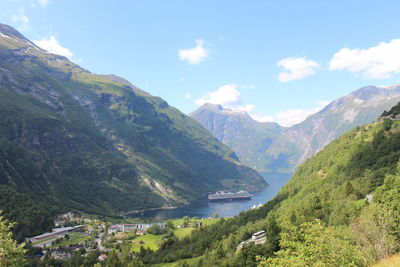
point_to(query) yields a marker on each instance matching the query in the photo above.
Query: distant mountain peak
(393, 86)
(368, 92)
(222, 109)
(8, 32)
(266, 147)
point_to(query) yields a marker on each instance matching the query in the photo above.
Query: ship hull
(230, 198)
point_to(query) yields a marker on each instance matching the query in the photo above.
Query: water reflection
(204, 208)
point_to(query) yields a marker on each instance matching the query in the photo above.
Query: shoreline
(144, 210)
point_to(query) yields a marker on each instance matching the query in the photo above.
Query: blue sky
(279, 60)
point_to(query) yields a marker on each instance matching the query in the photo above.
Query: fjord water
(204, 208)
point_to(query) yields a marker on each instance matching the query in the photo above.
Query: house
(259, 238)
(61, 255)
(390, 117)
(102, 257)
(90, 230)
(140, 232)
(131, 227)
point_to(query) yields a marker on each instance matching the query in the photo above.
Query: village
(76, 233)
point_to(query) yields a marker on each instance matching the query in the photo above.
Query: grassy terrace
(182, 232)
(75, 238)
(153, 241)
(44, 240)
(147, 241)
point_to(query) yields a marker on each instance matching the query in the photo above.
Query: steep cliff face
(98, 144)
(238, 130)
(267, 147)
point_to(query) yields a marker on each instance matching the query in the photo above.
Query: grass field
(43, 240)
(182, 232)
(75, 238)
(147, 241)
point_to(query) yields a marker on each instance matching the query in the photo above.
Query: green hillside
(341, 208)
(96, 143)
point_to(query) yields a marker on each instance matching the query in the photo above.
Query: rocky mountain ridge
(93, 143)
(268, 147)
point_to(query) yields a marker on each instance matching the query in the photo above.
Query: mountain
(247, 137)
(340, 208)
(71, 139)
(267, 147)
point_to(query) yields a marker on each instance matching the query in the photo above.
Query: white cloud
(248, 108)
(229, 96)
(290, 117)
(194, 55)
(53, 46)
(188, 96)
(226, 95)
(22, 19)
(378, 62)
(43, 3)
(296, 68)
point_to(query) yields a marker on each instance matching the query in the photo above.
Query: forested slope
(341, 208)
(71, 139)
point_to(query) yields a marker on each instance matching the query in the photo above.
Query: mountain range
(71, 139)
(269, 147)
(340, 208)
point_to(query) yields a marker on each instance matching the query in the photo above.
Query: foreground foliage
(11, 253)
(312, 244)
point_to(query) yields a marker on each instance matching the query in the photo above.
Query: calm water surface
(204, 208)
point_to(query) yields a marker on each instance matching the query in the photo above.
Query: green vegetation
(11, 254)
(73, 238)
(321, 217)
(183, 232)
(191, 262)
(312, 244)
(193, 220)
(73, 140)
(395, 110)
(147, 241)
(33, 216)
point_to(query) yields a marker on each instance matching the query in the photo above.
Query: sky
(278, 60)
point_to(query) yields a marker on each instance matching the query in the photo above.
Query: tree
(154, 230)
(169, 224)
(375, 232)
(186, 221)
(349, 189)
(312, 244)
(215, 215)
(113, 260)
(11, 254)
